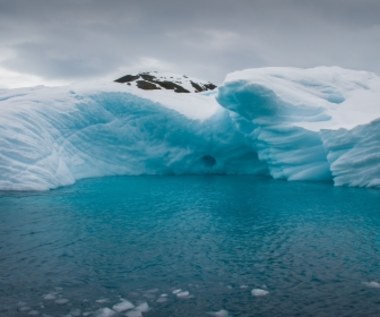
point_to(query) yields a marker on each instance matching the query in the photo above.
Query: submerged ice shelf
(294, 124)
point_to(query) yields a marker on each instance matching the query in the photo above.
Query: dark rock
(143, 84)
(172, 86)
(210, 86)
(127, 78)
(196, 86)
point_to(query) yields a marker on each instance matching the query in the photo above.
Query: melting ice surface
(185, 246)
(293, 124)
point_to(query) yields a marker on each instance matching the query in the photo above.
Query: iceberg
(310, 124)
(51, 137)
(318, 124)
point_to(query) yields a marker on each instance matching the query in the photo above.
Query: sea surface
(188, 246)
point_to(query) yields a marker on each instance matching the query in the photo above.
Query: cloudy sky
(61, 41)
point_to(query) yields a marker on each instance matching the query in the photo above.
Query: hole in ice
(208, 160)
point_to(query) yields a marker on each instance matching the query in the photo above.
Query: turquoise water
(313, 247)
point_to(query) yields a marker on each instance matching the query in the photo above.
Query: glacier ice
(295, 124)
(51, 137)
(310, 124)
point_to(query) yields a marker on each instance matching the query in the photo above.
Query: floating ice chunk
(134, 313)
(243, 286)
(104, 312)
(33, 313)
(143, 307)
(49, 296)
(76, 312)
(258, 292)
(23, 308)
(123, 306)
(176, 291)
(86, 313)
(183, 294)
(163, 298)
(61, 301)
(219, 313)
(102, 300)
(372, 284)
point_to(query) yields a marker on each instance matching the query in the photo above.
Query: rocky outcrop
(157, 81)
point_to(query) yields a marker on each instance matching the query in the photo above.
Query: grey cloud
(83, 39)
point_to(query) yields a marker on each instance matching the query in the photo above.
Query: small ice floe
(243, 286)
(104, 312)
(33, 313)
(87, 313)
(22, 307)
(50, 296)
(258, 292)
(75, 312)
(183, 294)
(176, 291)
(134, 313)
(372, 284)
(123, 306)
(143, 307)
(61, 301)
(102, 300)
(219, 313)
(163, 298)
(229, 286)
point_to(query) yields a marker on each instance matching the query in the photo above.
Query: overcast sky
(59, 41)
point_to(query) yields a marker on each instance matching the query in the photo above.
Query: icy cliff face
(294, 124)
(310, 124)
(51, 137)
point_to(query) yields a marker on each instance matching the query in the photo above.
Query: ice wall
(310, 124)
(52, 137)
(319, 124)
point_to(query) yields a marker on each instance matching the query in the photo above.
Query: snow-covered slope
(310, 124)
(168, 81)
(295, 124)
